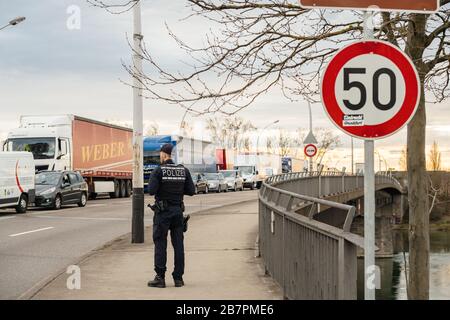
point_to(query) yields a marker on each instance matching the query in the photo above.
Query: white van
(17, 173)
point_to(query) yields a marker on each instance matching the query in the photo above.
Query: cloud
(45, 68)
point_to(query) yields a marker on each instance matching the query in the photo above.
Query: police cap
(167, 148)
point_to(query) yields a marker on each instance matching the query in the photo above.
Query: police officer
(168, 183)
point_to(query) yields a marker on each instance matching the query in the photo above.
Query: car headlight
(48, 191)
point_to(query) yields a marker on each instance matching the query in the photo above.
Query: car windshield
(48, 178)
(228, 174)
(246, 170)
(212, 176)
(42, 148)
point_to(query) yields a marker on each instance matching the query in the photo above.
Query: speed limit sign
(310, 150)
(370, 89)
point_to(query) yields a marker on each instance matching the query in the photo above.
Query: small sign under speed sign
(310, 150)
(370, 89)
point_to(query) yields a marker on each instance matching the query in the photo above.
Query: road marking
(32, 231)
(83, 218)
(91, 218)
(6, 218)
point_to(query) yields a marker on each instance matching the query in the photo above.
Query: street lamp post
(257, 141)
(13, 22)
(137, 228)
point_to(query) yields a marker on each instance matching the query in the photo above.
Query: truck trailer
(100, 151)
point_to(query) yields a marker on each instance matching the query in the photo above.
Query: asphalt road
(36, 245)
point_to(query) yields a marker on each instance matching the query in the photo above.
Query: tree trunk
(419, 241)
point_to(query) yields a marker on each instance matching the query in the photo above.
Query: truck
(100, 151)
(255, 167)
(17, 184)
(199, 156)
(290, 164)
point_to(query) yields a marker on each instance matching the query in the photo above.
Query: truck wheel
(57, 203)
(83, 200)
(116, 192)
(122, 188)
(128, 189)
(23, 204)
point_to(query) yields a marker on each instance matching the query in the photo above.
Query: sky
(50, 67)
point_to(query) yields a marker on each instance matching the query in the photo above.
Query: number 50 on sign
(370, 89)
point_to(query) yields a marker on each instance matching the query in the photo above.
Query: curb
(35, 289)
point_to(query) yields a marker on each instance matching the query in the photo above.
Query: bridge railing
(308, 258)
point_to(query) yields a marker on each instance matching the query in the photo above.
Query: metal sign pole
(369, 195)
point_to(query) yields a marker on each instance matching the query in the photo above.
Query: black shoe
(159, 282)
(178, 283)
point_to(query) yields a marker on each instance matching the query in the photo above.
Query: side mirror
(65, 185)
(62, 144)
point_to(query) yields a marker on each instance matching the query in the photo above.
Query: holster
(185, 222)
(159, 206)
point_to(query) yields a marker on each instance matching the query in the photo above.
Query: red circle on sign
(408, 71)
(309, 146)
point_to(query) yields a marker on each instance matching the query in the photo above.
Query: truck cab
(49, 141)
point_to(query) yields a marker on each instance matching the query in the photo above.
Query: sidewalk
(220, 264)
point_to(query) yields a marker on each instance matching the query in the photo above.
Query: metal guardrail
(308, 258)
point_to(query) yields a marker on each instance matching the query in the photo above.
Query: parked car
(17, 188)
(216, 182)
(57, 188)
(234, 179)
(200, 182)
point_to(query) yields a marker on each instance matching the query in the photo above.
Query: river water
(393, 280)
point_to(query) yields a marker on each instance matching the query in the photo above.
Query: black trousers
(170, 219)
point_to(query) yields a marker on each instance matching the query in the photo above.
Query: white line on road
(32, 231)
(84, 218)
(6, 218)
(96, 205)
(91, 218)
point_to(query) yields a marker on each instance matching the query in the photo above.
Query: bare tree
(403, 162)
(230, 132)
(269, 145)
(285, 143)
(263, 44)
(152, 129)
(434, 157)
